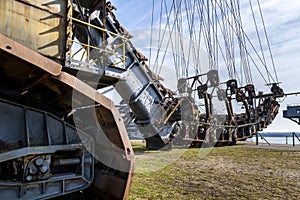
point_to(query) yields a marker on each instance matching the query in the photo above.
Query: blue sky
(282, 19)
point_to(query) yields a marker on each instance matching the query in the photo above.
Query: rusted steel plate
(107, 116)
(37, 24)
(116, 130)
(93, 94)
(11, 47)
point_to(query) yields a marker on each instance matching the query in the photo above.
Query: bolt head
(44, 169)
(39, 161)
(29, 178)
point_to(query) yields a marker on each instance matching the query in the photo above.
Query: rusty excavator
(60, 137)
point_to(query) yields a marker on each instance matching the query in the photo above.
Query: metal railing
(81, 53)
(292, 135)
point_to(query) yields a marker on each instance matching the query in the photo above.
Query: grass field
(233, 172)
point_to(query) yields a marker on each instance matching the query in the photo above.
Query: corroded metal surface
(32, 79)
(37, 24)
(11, 47)
(112, 114)
(112, 124)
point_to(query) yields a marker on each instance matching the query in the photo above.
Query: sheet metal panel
(292, 112)
(37, 24)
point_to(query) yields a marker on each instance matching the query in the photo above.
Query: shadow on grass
(139, 147)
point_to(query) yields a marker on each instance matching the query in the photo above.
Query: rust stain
(29, 55)
(39, 28)
(49, 9)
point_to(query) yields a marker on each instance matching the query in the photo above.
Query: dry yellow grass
(233, 172)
